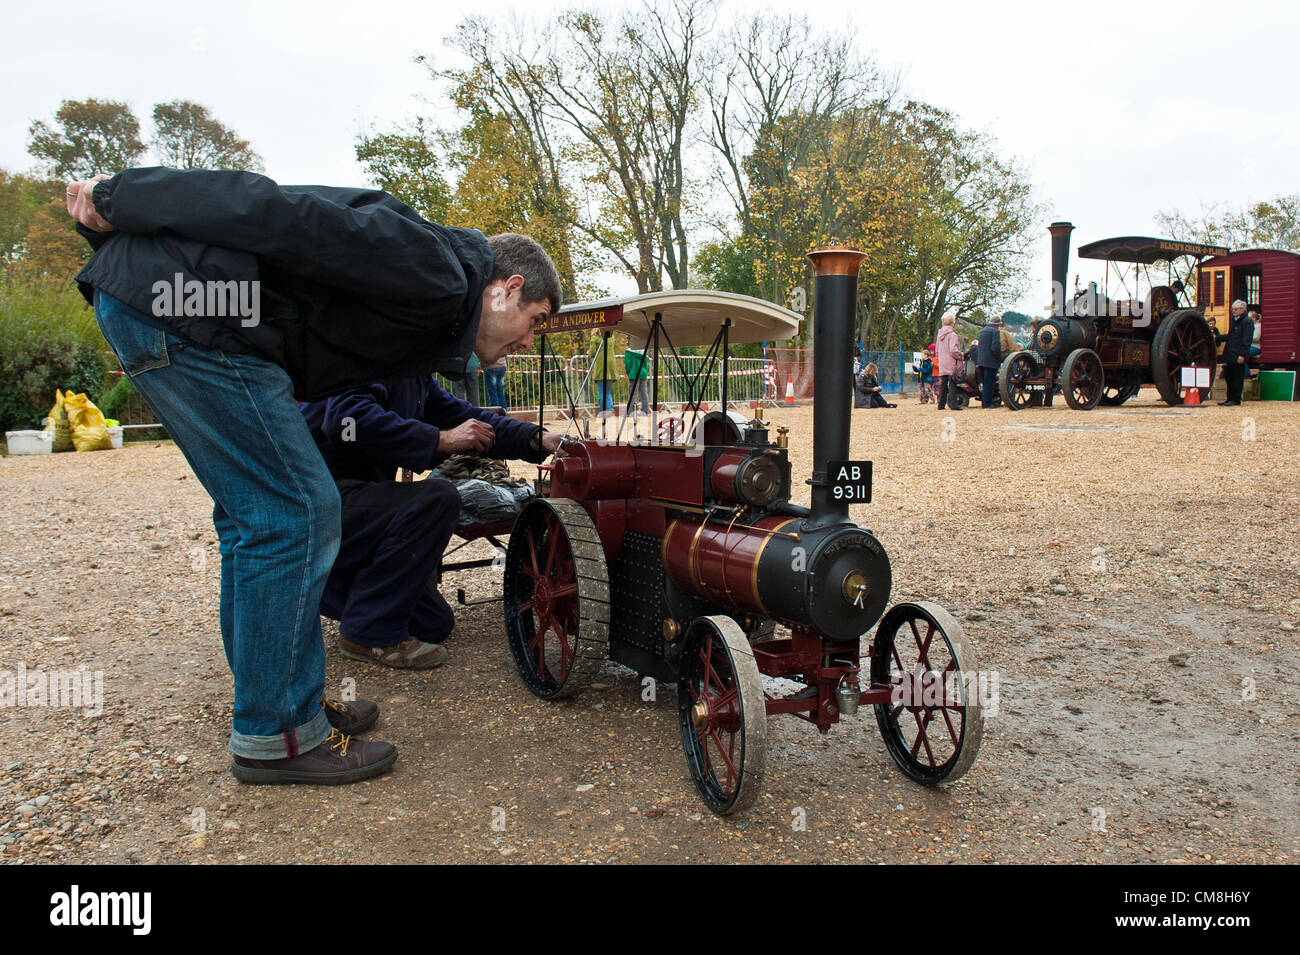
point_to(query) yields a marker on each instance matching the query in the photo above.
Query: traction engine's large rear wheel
(933, 724)
(723, 714)
(556, 598)
(1183, 339)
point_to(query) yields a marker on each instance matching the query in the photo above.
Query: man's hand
(551, 441)
(1240, 360)
(80, 206)
(471, 437)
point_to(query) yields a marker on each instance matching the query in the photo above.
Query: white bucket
(115, 435)
(29, 442)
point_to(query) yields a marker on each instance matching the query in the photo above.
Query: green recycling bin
(1276, 385)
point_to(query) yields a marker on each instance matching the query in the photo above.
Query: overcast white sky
(1118, 109)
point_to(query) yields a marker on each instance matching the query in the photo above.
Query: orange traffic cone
(789, 390)
(1192, 396)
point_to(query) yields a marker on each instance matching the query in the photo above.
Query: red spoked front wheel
(934, 721)
(723, 714)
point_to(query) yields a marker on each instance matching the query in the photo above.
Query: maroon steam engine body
(679, 560)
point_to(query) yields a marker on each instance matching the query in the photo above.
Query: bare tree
(605, 107)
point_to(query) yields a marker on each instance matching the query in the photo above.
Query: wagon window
(1203, 290)
(1252, 290)
(1218, 287)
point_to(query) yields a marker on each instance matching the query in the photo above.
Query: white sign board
(1193, 377)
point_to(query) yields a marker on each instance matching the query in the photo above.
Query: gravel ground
(1130, 574)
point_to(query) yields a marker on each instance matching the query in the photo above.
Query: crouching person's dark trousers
(381, 589)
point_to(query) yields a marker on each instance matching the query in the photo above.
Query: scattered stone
(1179, 659)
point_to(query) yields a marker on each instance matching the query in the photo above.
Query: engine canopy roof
(1145, 250)
(688, 316)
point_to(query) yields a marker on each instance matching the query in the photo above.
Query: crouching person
(383, 586)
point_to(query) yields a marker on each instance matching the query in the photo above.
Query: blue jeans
(605, 395)
(496, 386)
(276, 512)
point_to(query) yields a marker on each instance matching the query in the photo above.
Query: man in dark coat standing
(1236, 351)
(227, 296)
(988, 356)
(381, 589)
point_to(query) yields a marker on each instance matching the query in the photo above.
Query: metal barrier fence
(794, 370)
(689, 377)
(749, 379)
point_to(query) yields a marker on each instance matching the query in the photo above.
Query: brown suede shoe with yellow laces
(340, 759)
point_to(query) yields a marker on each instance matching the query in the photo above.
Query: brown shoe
(410, 654)
(351, 718)
(340, 759)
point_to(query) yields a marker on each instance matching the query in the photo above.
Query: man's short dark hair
(515, 254)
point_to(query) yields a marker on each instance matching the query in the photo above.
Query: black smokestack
(835, 302)
(1060, 261)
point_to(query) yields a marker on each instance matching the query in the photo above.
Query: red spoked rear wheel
(556, 598)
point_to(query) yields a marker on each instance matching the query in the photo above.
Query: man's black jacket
(988, 353)
(1237, 342)
(354, 285)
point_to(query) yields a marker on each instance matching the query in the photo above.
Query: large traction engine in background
(678, 560)
(1100, 350)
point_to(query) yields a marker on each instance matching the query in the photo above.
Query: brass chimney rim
(836, 260)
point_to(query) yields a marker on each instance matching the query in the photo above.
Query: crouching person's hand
(470, 437)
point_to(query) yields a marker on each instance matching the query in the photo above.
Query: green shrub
(48, 339)
(116, 401)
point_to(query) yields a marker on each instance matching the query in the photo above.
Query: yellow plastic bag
(77, 424)
(57, 421)
(82, 412)
(92, 438)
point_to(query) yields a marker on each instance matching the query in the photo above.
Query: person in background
(1236, 351)
(1007, 341)
(869, 391)
(465, 387)
(494, 376)
(948, 348)
(926, 373)
(1254, 341)
(988, 356)
(638, 372)
(604, 372)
